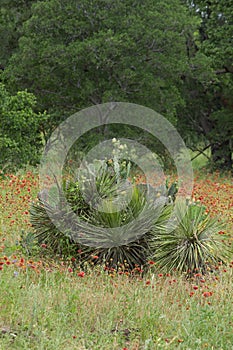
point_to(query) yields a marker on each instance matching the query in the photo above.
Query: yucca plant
(122, 237)
(115, 216)
(117, 231)
(45, 231)
(60, 241)
(189, 243)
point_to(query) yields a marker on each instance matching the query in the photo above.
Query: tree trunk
(221, 154)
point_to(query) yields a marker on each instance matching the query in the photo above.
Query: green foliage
(20, 140)
(125, 224)
(208, 87)
(75, 55)
(107, 208)
(13, 13)
(47, 233)
(28, 244)
(136, 232)
(178, 63)
(191, 242)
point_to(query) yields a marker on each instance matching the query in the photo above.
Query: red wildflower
(81, 274)
(150, 262)
(207, 294)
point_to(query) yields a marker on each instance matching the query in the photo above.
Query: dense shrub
(20, 137)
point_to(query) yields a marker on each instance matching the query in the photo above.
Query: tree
(13, 13)
(72, 55)
(208, 89)
(20, 139)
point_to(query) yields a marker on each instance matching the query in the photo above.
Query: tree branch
(202, 152)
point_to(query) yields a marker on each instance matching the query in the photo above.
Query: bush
(20, 138)
(126, 224)
(97, 204)
(191, 242)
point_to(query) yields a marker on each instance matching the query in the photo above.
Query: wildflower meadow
(56, 304)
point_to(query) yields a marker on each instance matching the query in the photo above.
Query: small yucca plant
(115, 217)
(45, 231)
(190, 243)
(122, 237)
(116, 236)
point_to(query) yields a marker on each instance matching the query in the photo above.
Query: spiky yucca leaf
(133, 225)
(190, 243)
(107, 225)
(58, 242)
(45, 231)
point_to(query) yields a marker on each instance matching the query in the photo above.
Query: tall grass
(59, 310)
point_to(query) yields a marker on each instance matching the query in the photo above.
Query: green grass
(58, 310)
(44, 306)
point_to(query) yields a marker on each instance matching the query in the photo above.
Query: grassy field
(48, 305)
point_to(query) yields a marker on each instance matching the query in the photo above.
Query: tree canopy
(172, 56)
(208, 89)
